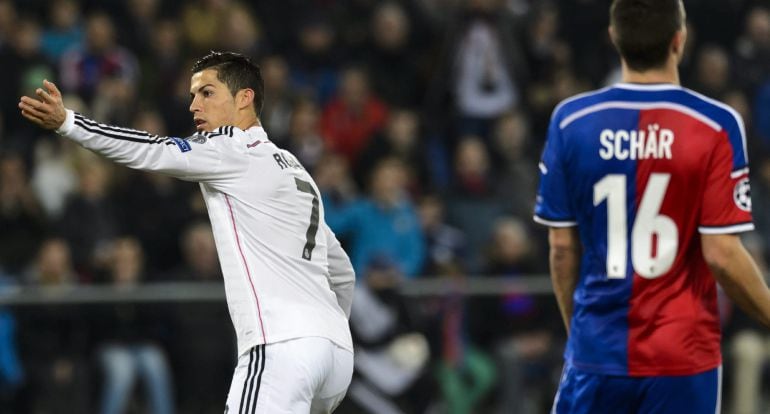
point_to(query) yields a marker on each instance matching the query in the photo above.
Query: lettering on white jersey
(285, 160)
(652, 143)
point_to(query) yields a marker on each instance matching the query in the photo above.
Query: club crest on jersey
(197, 138)
(742, 194)
(183, 145)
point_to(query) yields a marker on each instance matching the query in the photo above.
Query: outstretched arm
(738, 274)
(564, 259)
(209, 157)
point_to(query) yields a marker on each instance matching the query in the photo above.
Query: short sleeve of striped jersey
(552, 205)
(726, 203)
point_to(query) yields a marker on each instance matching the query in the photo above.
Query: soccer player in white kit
(288, 282)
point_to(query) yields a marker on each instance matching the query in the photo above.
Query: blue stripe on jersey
(601, 305)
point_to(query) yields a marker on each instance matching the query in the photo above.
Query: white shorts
(303, 375)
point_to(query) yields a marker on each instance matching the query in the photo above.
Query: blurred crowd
(421, 121)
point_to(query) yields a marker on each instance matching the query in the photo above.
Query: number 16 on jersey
(654, 236)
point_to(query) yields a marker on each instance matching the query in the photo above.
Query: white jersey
(286, 275)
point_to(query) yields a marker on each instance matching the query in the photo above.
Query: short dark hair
(644, 30)
(237, 72)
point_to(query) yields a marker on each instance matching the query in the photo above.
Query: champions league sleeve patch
(183, 145)
(742, 194)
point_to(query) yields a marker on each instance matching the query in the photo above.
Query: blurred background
(422, 122)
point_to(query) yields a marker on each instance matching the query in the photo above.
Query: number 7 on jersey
(306, 187)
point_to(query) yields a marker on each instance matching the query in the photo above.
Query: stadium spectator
(241, 33)
(65, 31)
(382, 229)
(563, 84)
(584, 28)
(53, 265)
(445, 246)
(89, 222)
(509, 254)
(391, 366)
(712, 72)
(22, 219)
(482, 69)
(171, 211)
(752, 49)
(161, 64)
(213, 352)
(400, 138)
(136, 22)
(279, 98)
(750, 352)
(314, 59)
(115, 101)
(129, 350)
(304, 136)
(392, 61)
(527, 341)
(199, 255)
(546, 51)
(510, 251)
(101, 58)
(55, 353)
(761, 112)
(203, 21)
(8, 15)
(12, 375)
(472, 203)
(53, 177)
(334, 180)
(465, 372)
(24, 67)
(351, 119)
(514, 160)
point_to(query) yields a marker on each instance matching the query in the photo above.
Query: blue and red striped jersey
(643, 170)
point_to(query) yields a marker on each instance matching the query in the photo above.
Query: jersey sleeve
(726, 203)
(341, 275)
(552, 205)
(197, 159)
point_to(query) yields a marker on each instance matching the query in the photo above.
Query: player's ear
(244, 98)
(678, 42)
(611, 32)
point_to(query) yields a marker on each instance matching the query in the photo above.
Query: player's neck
(247, 121)
(665, 74)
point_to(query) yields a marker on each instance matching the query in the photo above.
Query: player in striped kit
(289, 284)
(644, 186)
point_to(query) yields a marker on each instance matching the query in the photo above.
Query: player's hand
(47, 111)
